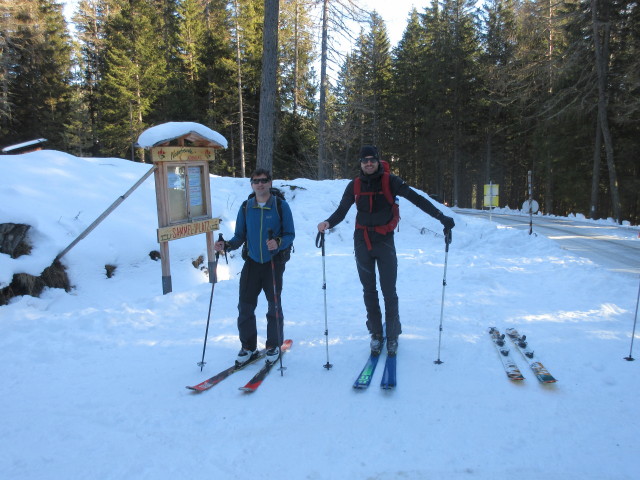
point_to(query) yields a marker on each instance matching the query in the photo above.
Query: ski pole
(447, 242)
(633, 333)
(320, 244)
(276, 303)
(213, 284)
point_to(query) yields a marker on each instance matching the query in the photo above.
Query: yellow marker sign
(183, 230)
(491, 197)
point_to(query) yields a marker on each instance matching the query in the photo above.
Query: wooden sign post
(183, 195)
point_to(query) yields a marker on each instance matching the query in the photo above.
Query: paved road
(617, 248)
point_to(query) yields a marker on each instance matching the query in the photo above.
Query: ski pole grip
(448, 237)
(272, 252)
(320, 241)
(221, 239)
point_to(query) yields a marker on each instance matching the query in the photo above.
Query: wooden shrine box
(181, 152)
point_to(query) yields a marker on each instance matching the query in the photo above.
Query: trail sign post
(183, 193)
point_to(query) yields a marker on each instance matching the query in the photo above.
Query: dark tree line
(467, 97)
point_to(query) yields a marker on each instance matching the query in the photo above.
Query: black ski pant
(257, 277)
(382, 255)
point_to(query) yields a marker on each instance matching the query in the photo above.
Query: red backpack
(386, 191)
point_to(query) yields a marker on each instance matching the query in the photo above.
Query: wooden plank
(183, 230)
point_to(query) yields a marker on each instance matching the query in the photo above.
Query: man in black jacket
(374, 243)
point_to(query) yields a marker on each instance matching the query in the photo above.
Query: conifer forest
(474, 92)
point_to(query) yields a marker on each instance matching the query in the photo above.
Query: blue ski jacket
(254, 229)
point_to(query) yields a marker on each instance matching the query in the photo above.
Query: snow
(93, 380)
(172, 130)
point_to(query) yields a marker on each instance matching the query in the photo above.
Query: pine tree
(134, 76)
(364, 95)
(247, 42)
(451, 60)
(36, 74)
(409, 96)
(498, 96)
(296, 146)
(90, 21)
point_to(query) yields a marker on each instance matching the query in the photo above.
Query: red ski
(253, 384)
(216, 379)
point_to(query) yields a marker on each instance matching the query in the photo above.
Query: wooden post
(166, 268)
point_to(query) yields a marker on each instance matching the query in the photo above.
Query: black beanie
(369, 151)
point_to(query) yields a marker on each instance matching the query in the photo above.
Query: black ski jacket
(381, 212)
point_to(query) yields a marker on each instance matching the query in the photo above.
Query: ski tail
(520, 342)
(253, 384)
(366, 374)
(389, 375)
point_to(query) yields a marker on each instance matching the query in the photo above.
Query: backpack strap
(386, 191)
(386, 182)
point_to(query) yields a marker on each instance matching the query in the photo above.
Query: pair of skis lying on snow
(520, 342)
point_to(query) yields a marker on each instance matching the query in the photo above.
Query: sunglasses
(256, 181)
(368, 160)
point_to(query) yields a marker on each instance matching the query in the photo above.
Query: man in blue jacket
(268, 238)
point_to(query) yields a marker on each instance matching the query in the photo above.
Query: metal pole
(213, 285)
(276, 303)
(529, 178)
(447, 241)
(320, 244)
(633, 333)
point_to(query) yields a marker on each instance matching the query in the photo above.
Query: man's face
(260, 184)
(369, 165)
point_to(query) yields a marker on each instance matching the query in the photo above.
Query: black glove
(447, 222)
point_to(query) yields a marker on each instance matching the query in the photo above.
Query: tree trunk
(266, 121)
(322, 117)
(595, 179)
(601, 36)
(295, 62)
(243, 171)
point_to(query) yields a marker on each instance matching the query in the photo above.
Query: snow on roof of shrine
(194, 132)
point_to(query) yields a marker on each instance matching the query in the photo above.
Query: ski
(510, 367)
(389, 375)
(253, 384)
(364, 379)
(216, 379)
(520, 341)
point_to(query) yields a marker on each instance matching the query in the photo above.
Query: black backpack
(283, 256)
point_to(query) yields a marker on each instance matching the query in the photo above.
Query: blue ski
(364, 379)
(389, 375)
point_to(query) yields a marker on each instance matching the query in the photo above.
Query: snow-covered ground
(93, 380)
